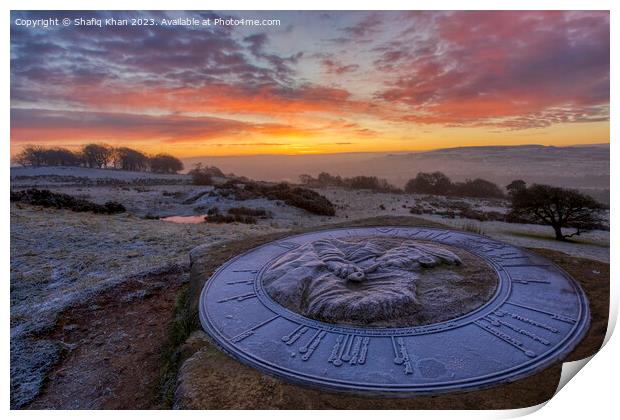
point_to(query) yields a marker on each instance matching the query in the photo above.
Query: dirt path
(113, 346)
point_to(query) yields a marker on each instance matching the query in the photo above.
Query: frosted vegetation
(61, 257)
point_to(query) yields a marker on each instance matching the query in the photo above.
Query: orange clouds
(391, 80)
(220, 98)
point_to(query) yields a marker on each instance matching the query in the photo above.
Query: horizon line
(607, 143)
(380, 152)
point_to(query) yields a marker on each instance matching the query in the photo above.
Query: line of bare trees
(98, 156)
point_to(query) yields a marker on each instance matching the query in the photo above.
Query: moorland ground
(97, 300)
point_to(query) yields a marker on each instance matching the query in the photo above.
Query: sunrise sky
(321, 82)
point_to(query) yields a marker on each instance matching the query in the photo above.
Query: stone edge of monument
(579, 332)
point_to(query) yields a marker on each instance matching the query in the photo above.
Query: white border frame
(592, 395)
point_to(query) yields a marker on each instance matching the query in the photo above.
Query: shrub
(203, 175)
(477, 188)
(299, 197)
(113, 207)
(417, 209)
(245, 211)
(175, 194)
(355, 183)
(306, 199)
(458, 205)
(437, 183)
(230, 218)
(429, 183)
(46, 198)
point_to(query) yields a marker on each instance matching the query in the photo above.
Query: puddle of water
(185, 219)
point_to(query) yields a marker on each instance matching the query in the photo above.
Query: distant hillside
(583, 167)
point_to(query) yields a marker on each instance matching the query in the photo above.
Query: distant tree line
(435, 183)
(99, 156)
(325, 179)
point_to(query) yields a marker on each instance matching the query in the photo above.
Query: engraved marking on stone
(251, 331)
(314, 342)
(506, 337)
(356, 350)
(559, 317)
(249, 270)
(501, 259)
(529, 281)
(430, 235)
(511, 255)
(238, 298)
(346, 357)
(401, 356)
(384, 230)
(304, 349)
(501, 312)
(338, 361)
(361, 359)
(527, 265)
(335, 350)
(481, 244)
(240, 282)
(498, 323)
(412, 233)
(446, 235)
(350, 348)
(337, 355)
(436, 235)
(287, 245)
(294, 335)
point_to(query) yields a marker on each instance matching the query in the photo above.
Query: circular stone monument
(393, 310)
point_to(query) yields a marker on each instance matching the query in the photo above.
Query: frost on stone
(373, 280)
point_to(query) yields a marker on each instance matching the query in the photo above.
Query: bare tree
(60, 156)
(30, 155)
(557, 207)
(130, 159)
(165, 163)
(97, 155)
(41, 156)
